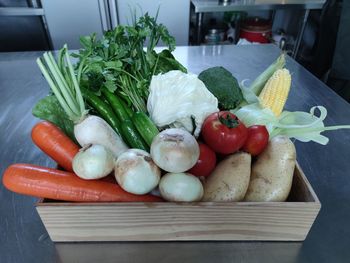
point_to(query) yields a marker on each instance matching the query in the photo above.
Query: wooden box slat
(283, 221)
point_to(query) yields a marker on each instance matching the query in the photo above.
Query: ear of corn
(275, 92)
(259, 83)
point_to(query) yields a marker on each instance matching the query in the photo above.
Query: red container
(256, 30)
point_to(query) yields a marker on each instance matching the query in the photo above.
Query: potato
(230, 179)
(272, 173)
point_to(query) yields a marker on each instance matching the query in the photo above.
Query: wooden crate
(284, 221)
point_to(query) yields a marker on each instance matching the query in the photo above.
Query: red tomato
(258, 137)
(206, 161)
(223, 132)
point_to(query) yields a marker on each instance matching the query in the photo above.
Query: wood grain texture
(302, 190)
(184, 221)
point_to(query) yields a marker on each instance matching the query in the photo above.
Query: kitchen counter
(23, 237)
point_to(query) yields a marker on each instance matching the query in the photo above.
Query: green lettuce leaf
(50, 110)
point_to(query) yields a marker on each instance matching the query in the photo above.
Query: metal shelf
(205, 6)
(21, 11)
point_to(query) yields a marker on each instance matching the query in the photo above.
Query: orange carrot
(109, 178)
(60, 185)
(52, 141)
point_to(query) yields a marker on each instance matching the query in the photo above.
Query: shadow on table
(178, 252)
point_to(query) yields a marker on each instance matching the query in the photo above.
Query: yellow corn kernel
(275, 92)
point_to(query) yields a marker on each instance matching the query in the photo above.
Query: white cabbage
(176, 97)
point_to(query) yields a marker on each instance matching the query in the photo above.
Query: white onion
(136, 172)
(181, 187)
(175, 150)
(93, 162)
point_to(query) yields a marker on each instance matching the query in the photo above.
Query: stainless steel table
(23, 238)
(208, 6)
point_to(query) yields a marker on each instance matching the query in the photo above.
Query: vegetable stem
(131, 76)
(78, 95)
(55, 90)
(59, 79)
(63, 83)
(155, 66)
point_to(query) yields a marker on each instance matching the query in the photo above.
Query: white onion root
(136, 172)
(93, 162)
(175, 150)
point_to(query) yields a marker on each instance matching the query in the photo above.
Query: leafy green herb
(49, 109)
(120, 63)
(223, 85)
(167, 62)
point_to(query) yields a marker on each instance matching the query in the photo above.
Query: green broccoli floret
(220, 82)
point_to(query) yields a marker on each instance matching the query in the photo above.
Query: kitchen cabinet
(22, 26)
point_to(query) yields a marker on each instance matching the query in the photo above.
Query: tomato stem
(229, 121)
